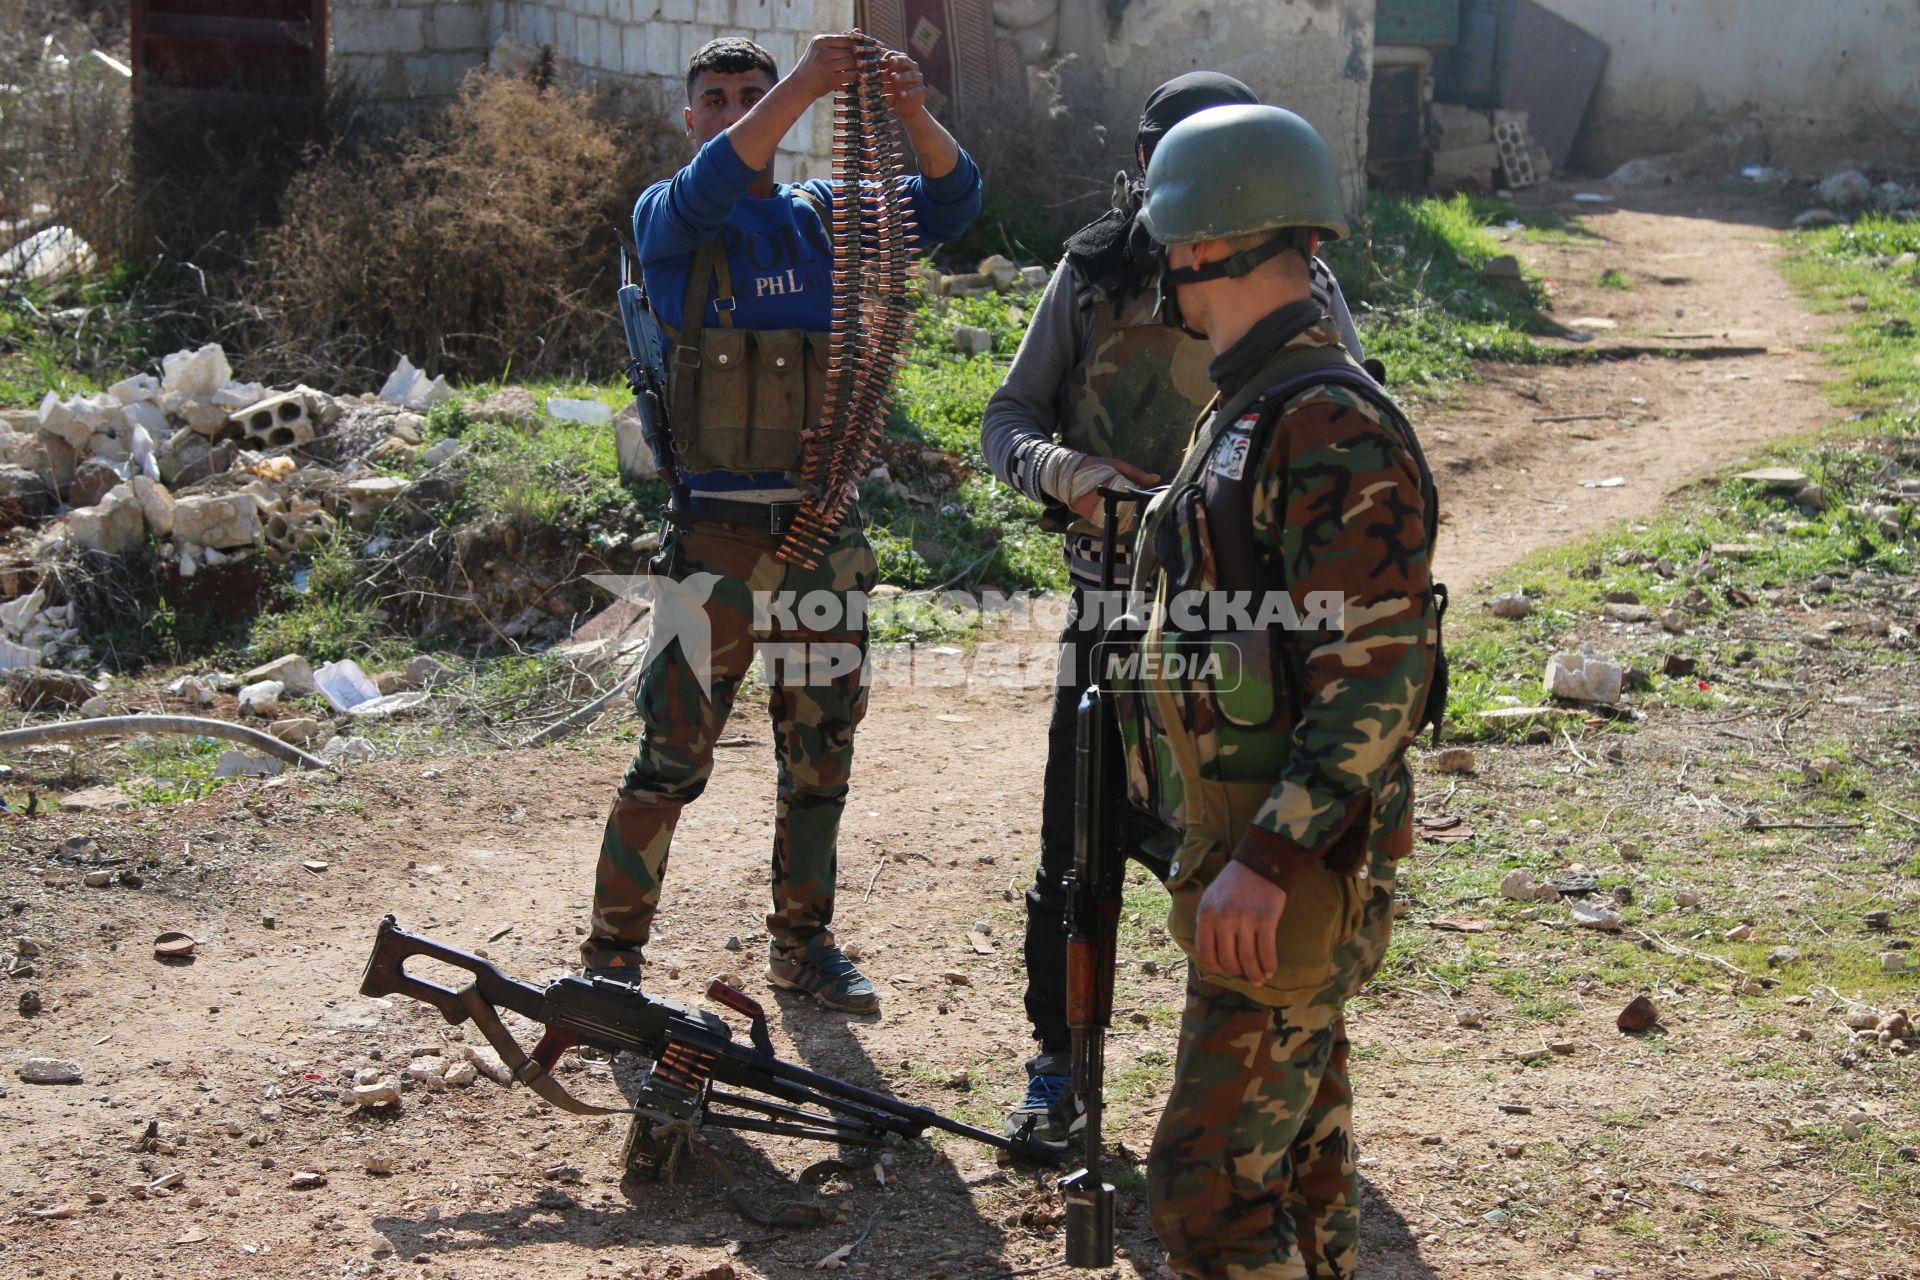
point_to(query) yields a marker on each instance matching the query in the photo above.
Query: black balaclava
(1111, 253)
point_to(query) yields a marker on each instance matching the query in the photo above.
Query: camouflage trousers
(1251, 1175)
(815, 703)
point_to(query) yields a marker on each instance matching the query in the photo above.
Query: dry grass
(486, 241)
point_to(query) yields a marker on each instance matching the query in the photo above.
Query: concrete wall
(418, 50)
(1310, 56)
(1834, 83)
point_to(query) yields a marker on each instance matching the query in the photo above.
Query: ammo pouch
(739, 398)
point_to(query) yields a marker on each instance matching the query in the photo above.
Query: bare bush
(487, 241)
(63, 128)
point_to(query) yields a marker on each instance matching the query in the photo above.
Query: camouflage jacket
(1270, 724)
(1102, 375)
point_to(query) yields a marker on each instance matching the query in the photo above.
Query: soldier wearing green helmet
(1287, 564)
(1099, 391)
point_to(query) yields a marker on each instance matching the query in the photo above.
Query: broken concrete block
(182, 460)
(17, 614)
(299, 730)
(48, 254)
(411, 387)
(279, 422)
(209, 419)
(1000, 270)
(425, 672)
(295, 529)
(114, 526)
(371, 496)
(156, 505)
(138, 389)
(196, 373)
(969, 340)
(291, 670)
(57, 419)
(224, 520)
(1584, 677)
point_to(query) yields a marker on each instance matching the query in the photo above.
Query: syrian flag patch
(1230, 455)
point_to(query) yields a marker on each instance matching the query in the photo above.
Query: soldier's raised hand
(830, 63)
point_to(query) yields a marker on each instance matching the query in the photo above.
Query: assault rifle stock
(691, 1053)
(1103, 839)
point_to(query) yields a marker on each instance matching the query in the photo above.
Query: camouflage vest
(1206, 715)
(1138, 391)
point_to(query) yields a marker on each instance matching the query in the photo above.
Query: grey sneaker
(823, 972)
(1047, 1116)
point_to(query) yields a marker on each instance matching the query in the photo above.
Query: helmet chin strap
(1240, 264)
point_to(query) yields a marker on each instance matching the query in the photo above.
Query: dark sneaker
(622, 964)
(820, 970)
(1047, 1117)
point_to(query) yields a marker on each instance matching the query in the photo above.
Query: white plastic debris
(590, 412)
(48, 255)
(260, 698)
(344, 685)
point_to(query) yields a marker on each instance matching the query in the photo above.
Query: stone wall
(417, 50)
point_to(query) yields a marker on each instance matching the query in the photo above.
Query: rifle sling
(525, 1069)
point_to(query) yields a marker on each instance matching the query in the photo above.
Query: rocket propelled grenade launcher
(699, 1075)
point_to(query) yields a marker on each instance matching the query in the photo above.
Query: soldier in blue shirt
(739, 269)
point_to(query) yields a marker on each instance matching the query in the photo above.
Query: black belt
(773, 518)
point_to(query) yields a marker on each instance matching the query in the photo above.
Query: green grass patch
(83, 333)
(173, 770)
(1414, 281)
(1615, 278)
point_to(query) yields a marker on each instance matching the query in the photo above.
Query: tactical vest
(1136, 394)
(1206, 742)
(738, 399)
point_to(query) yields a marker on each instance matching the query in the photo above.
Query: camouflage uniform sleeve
(1336, 504)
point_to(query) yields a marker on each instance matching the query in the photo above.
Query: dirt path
(235, 1056)
(1701, 266)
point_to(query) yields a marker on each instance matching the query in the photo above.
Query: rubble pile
(211, 469)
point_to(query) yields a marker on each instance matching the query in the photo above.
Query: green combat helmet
(1227, 171)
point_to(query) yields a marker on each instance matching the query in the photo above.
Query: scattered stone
(50, 1071)
(1455, 760)
(1781, 956)
(96, 800)
(1678, 667)
(299, 730)
(1623, 895)
(379, 1166)
(220, 521)
(1874, 921)
(1641, 1015)
(426, 672)
(461, 1074)
(385, 1093)
(1685, 898)
(1466, 1016)
(1584, 677)
(1627, 613)
(1511, 604)
(1503, 272)
(1739, 933)
(382, 1247)
(355, 750)
(953, 977)
(307, 1180)
(261, 698)
(291, 671)
(97, 879)
(731, 944)
(29, 1002)
(1591, 916)
(971, 341)
(1778, 479)
(1893, 962)
(960, 1080)
(1520, 886)
(1861, 1018)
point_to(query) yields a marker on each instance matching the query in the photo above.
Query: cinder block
(692, 36)
(718, 13)
(832, 15)
(793, 15)
(438, 75)
(379, 31)
(676, 10)
(566, 34)
(777, 43)
(753, 15)
(458, 26)
(663, 49)
(633, 50)
(537, 27)
(586, 40)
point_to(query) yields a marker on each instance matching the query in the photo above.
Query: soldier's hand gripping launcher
(692, 1055)
(1100, 851)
